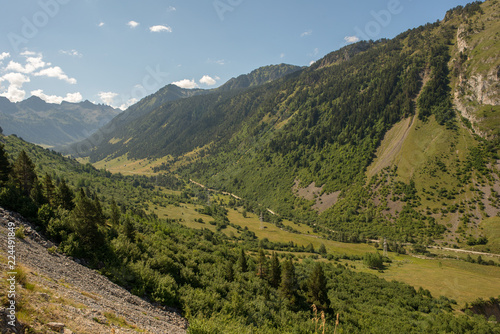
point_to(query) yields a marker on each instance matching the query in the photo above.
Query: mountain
(394, 138)
(259, 76)
(53, 124)
(171, 93)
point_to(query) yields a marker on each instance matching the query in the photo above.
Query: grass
(458, 280)
(118, 321)
(275, 234)
(491, 228)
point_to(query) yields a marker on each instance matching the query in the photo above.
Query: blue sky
(116, 52)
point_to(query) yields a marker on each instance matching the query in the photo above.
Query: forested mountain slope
(108, 134)
(367, 142)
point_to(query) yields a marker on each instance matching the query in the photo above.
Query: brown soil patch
(313, 193)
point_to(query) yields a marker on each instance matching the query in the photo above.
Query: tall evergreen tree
(24, 172)
(262, 264)
(242, 261)
(86, 222)
(288, 286)
(65, 196)
(229, 271)
(316, 285)
(275, 272)
(129, 229)
(49, 190)
(115, 213)
(5, 167)
(36, 194)
(98, 207)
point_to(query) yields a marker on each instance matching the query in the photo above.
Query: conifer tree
(24, 173)
(242, 262)
(5, 167)
(288, 286)
(229, 271)
(98, 208)
(262, 265)
(322, 249)
(49, 190)
(129, 229)
(115, 213)
(36, 194)
(65, 196)
(316, 285)
(275, 272)
(86, 221)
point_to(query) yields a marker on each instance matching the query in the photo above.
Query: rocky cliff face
(55, 293)
(476, 67)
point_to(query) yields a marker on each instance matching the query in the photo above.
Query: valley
(360, 192)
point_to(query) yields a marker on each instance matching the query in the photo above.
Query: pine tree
(242, 262)
(229, 271)
(24, 173)
(5, 167)
(129, 229)
(86, 221)
(115, 213)
(36, 194)
(98, 208)
(316, 285)
(262, 265)
(49, 190)
(275, 272)
(322, 249)
(288, 285)
(65, 196)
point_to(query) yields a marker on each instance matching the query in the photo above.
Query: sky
(118, 51)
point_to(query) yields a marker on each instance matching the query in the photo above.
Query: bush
(373, 261)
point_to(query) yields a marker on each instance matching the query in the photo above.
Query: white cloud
(55, 72)
(351, 39)
(219, 62)
(312, 62)
(32, 64)
(282, 55)
(14, 92)
(207, 80)
(132, 24)
(306, 33)
(71, 52)
(107, 97)
(4, 55)
(17, 74)
(70, 97)
(160, 28)
(127, 104)
(171, 9)
(29, 53)
(185, 83)
(101, 24)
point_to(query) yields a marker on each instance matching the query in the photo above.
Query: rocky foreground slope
(58, 294)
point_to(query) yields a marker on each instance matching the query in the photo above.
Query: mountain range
(51, 124)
